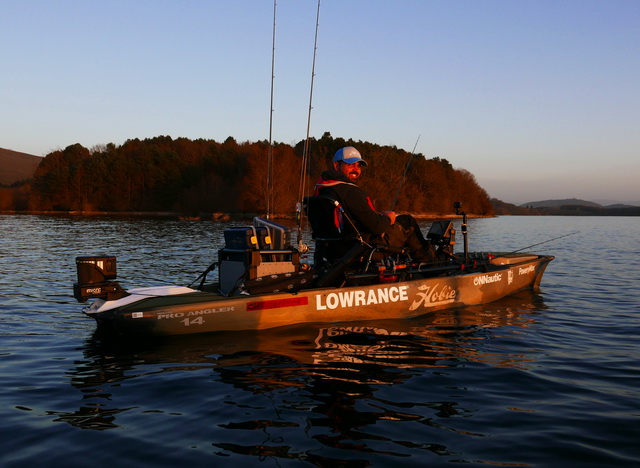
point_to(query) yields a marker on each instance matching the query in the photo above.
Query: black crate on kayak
(247, 237)
(250, 252)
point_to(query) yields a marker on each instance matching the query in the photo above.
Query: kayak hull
(179, 311)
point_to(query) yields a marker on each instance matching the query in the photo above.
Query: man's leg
(406, 232)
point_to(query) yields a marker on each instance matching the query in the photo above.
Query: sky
(538, 99)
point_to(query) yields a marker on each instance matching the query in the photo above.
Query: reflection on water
(336, 363)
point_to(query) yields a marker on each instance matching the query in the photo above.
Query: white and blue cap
(349, 155)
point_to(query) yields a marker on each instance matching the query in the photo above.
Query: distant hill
(15, 166)
(618, 203)
(559, 203)
(576, 207)
(502, 208)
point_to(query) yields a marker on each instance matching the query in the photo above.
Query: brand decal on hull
(362, 298)
(527, 270)
(485, 279)
(192, 313)
(434, 295)
(278, 303)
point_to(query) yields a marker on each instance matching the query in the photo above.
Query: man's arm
(356, 204)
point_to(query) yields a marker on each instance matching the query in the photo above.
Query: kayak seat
(331, 229)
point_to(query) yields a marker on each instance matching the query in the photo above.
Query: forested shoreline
(163, 174)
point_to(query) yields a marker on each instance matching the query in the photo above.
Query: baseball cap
(349, 155)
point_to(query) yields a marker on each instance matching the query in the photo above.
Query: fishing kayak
(262, 285)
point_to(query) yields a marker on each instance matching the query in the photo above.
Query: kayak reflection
(312, 356)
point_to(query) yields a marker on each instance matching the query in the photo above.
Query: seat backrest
(324, 216)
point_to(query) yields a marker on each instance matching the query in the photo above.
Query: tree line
(205, 176)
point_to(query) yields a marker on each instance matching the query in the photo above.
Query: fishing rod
(305, 154)
(543, 242)
(270, 154)
(406, 169)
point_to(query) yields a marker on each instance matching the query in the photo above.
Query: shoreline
(203, 216)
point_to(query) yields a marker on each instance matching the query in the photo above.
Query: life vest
(330, 183)
(339, 212)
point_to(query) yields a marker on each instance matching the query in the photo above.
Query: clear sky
(538, 99)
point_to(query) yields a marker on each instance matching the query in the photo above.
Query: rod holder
(463, 228)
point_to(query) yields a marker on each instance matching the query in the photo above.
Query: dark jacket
(355, 202)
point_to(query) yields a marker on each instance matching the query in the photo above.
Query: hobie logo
(434, 295)
(362, 298)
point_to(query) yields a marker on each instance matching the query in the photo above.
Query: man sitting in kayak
(375, 227)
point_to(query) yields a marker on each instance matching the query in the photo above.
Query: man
(375, 227)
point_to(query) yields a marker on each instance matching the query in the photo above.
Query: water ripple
(525, 380)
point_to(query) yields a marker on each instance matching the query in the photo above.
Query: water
(548, 379)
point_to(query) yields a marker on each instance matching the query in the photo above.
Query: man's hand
(391, 215)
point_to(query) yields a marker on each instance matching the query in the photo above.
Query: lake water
(546, 379)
